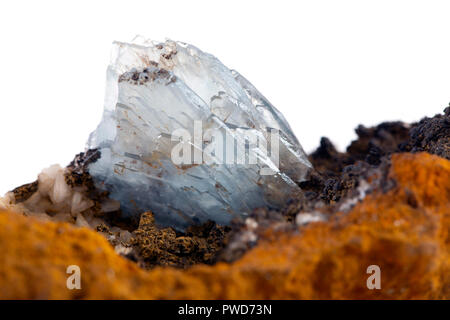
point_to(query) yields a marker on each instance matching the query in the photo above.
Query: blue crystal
(154, 90)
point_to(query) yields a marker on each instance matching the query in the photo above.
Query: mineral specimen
(190, 140)
(408, 239)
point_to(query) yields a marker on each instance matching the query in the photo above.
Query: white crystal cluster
(155, 89)
(54, 199)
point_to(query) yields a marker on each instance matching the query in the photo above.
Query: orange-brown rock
(405, 231)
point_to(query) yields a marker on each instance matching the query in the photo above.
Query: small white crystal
(306, 218)
(54, 195)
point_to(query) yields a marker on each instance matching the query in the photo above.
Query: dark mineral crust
(165, 247)
(431, 135)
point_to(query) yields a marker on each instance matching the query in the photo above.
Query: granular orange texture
(404, 231)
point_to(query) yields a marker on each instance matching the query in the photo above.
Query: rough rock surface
(156, 246)
(404, 230)
(431, 135)
(338, 173)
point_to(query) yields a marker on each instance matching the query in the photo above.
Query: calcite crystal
(170, 101)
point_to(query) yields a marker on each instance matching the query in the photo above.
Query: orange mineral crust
(405, 231)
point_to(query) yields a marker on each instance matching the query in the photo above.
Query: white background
(327, 65)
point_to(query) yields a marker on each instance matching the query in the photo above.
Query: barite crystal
(170, 101)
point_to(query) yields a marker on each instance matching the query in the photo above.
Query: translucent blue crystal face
(190, 140)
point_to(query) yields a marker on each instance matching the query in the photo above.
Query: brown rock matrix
(404, 230)
(164, 247)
